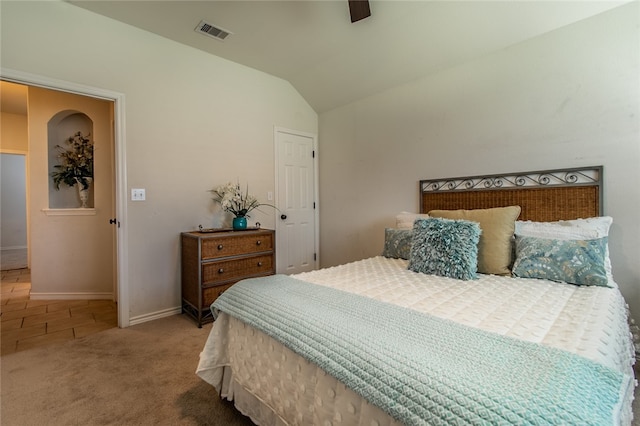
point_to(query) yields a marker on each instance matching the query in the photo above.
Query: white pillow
(578, 229)
(404, 220)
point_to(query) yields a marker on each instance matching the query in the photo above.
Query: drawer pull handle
(219, 246)
(259, 263)
(258, 242)
(220, 271)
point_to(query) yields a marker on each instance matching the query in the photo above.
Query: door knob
(283, 216)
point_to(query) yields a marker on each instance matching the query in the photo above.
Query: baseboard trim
(155, 315)
(14, 248)
(70, 296)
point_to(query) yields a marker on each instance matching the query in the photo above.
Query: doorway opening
(13, 213)
(119, 288)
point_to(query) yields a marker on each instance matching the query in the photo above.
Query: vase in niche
(83, 190)
(239, 222)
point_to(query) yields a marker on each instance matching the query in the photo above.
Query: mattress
(273, 385)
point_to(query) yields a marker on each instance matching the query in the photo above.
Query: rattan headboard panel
(543, 196)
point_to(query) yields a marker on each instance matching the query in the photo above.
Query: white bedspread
(589, 321)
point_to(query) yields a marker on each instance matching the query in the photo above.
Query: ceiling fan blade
(359, 9)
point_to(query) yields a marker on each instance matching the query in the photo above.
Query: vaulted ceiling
(331, 61)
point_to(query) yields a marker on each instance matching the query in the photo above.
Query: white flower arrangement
(233, 200)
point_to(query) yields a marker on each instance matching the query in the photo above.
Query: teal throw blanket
(424, 370)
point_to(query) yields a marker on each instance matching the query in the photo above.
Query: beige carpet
(141, 375)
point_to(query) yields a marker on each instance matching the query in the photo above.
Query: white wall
(566, 99)
(13, 202)
(193, 121)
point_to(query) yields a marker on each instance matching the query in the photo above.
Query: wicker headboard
(544, 196)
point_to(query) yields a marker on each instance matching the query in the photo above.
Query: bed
(465, 318)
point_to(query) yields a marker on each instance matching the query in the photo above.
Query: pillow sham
(577, 229)
(397, 243)
(579, 262)
(444, 247)
(495, 246)
(404, 220)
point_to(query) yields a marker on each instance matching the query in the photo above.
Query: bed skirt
(319, 399)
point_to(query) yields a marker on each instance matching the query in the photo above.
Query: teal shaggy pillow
(445, 247)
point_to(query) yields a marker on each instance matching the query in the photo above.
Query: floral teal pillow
(445, 247)
(397, 243)
(579, 262)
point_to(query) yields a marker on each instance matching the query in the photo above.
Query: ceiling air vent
(212, 31)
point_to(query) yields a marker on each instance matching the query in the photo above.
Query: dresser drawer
(225, 270)
(215, 248)
(210, 294)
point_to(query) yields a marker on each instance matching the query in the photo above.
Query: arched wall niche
(60, 128)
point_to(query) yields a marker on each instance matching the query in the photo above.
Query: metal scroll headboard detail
(546, 195)
(589, 176)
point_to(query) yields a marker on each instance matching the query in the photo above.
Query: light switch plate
(138, 194)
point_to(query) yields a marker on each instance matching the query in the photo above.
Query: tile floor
(29, 323)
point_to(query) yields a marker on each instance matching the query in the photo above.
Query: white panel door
(296, 236)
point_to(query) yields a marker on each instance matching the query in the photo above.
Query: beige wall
(71, 250)
(566, 99)
(192, 122)
(13, 132)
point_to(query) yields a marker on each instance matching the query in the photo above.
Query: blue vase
(240, 222)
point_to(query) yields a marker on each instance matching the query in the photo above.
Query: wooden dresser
(213, 262)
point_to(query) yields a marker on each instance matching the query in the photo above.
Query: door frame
(316, 186)
(122, 283)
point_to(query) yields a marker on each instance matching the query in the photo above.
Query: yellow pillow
(495, 246)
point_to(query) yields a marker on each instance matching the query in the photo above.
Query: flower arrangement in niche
(75, 162)
(239, 203)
